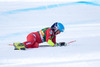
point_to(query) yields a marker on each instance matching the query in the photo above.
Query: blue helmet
(57, 26)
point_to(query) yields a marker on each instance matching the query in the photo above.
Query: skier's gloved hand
(61, 44)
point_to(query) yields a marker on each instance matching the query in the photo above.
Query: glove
(61, 44)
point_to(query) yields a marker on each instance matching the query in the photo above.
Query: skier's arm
(49, 33)
(54, 39)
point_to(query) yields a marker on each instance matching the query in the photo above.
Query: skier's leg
(30, 41)
(35, 45)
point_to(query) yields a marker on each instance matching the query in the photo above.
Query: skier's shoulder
(49, 29)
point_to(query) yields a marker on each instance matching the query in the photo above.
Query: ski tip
(72, 41)
(10, 44)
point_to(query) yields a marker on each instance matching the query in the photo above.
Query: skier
(45, 35)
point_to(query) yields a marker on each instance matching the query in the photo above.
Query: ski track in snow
(25, 62)
(41, 62)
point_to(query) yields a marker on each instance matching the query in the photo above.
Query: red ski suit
(34, 38)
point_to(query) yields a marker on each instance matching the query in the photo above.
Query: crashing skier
(45, 35)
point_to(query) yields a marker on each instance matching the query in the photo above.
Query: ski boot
(19, 46)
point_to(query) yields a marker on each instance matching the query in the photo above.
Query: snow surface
(81, 21)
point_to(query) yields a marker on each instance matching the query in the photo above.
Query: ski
(50, 45)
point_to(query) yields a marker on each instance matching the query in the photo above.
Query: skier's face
(58, 32)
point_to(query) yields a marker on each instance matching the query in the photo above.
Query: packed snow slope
(81, 21)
